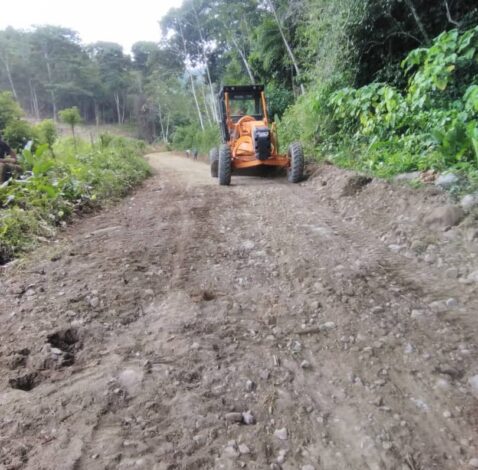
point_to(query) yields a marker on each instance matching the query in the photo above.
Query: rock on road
(262, 325)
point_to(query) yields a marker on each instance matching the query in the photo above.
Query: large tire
(295, 172)
(214, 161)
(225, 165)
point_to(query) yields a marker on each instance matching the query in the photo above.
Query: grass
(51, 189)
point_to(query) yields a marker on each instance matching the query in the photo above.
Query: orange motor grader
(247, 138)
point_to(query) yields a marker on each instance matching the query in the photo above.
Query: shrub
(51, 189)
(9, 109)
(18, 133)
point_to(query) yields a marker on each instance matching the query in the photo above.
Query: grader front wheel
(295, 171)
(225, 165)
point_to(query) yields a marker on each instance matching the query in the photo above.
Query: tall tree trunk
(50, 83)
(6, 64)
(123, 111)
(286, 44)
(191, 79)
(198, 108)
(97, 113)
(244, 59)
(118, 106)
(160, 116)
(167, 128)
(34, 100)
(208, 115)
(208, 72)
(418, 21)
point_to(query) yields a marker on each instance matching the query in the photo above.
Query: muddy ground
(329, 325)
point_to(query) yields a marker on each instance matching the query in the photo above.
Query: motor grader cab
(248, 140)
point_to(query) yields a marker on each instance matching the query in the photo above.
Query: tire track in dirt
(193, 301)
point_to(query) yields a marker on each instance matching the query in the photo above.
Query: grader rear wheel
(214, 161)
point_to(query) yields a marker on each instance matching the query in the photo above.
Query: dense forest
(386, 80)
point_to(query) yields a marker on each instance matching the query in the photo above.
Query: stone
(264, 374)
(406, 177)
(281, 434)
(93, 301)
(250, 386)
(231, 450)
(452, 273)
(446, 414)
(305, 364)
(473, 381)
(281, 457)
(445, 216)
(416, 314)
(418, 246)
(472, 277)
(473, 463)
(248, 418)
(330, 325)
(130, 379)
(56, 351)
(233, 417)
(395, 248)
(451, 303)
(386, 445)
(243, 449)
(471, 234)
(447, 180)
(438, 306)
(469, 202)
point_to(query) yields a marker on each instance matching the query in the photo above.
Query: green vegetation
(72, 117)
(47, 134)
(432, 124)
(52, 189)
(383, 86)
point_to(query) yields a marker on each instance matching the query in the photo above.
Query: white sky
(124, 22)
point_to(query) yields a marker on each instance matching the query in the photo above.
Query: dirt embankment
(329, 325)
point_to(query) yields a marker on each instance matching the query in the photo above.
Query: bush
(433, 124)
(9, 109)
(51, 189)
(18, 133)
(191, 136)
(47, 133)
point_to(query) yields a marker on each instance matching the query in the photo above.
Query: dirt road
(262, 326)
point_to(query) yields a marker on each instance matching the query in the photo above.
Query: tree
(114, 72)
(9, 109)
(47, 133)
(72, 117)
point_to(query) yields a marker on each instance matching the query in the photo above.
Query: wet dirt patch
(65, 340)
(26, 382)
(355, 184)
(203, 296)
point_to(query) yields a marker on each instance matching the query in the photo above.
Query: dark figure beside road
(5, 150)
(8, 166)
